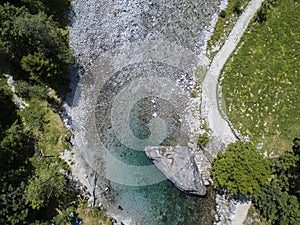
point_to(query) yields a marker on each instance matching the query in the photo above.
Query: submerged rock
(178, 165)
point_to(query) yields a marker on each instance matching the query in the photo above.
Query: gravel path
(210, 109)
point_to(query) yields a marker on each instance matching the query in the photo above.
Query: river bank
(125, 35)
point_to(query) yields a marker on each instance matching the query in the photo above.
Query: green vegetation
(43, 124)
(89, 215)
(33, 46)
(200, 74)
(225, 23)
(279, 201)
(273, 184)
(92, 216)
(163, 151)
(241, 169)
(203, 140)
(261, 93)
(34, 181)
(261, 84)
(7, 108)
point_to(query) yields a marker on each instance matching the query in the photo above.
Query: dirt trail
(209, 108)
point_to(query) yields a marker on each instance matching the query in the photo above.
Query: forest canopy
(34, 51)
(33, 45)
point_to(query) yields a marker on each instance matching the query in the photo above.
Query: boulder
(178, 165)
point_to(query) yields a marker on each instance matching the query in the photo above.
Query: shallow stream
(138, 61)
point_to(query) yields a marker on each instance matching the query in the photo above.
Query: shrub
(202, 141)
(241, 169)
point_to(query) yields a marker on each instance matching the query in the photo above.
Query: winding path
(209, 108)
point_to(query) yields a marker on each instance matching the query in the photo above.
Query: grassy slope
(92, 215)
(52, 135)
(224, 25)
(261, 85)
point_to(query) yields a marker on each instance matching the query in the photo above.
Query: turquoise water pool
(147, 116)
(139, 59)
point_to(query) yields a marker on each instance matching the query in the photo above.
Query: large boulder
(178, 165)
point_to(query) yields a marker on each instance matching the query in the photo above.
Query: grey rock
(191, 145)
(178, 165)
(260, 145)
(213, 147)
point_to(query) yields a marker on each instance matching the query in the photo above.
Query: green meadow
(261, 84)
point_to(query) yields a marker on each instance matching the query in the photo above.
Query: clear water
(138, 96)
(131, 114)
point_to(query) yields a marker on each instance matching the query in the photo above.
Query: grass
(92, 215)
(261, 84)
(46, 125)
(225, 23)
(55, 135)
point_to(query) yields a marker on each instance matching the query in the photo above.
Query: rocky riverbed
(131, 89)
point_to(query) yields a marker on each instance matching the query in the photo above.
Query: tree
(32, 44)
(12, 207)
(277, 206)
(284, 168)
(295, 179)
(277, 202)
(48, 184)
(241, 169)
(8, 113)
(15, 170)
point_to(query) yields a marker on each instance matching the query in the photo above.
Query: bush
(25, 90)
(203, 140)
(238, 7)
(223, 13)
(241, 169)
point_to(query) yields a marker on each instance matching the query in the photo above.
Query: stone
(178, 165)
(213, 147)
(191, 145)
(260, 145)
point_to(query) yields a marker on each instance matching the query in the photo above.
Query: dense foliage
(241, 169)
(274, 185)
(34, 181)
(7, 111)
(33, 46)
(279, 201)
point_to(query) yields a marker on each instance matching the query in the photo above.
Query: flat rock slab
(178, 165)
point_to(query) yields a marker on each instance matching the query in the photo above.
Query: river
(131, 89)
